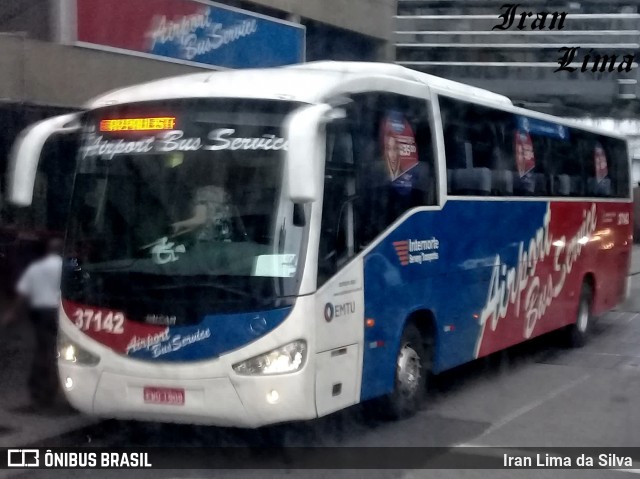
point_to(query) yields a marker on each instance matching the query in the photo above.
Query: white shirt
(40, 283)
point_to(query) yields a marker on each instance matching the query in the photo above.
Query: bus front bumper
(239, 401)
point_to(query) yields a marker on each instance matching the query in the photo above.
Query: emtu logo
(402, 250)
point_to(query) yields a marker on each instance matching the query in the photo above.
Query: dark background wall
(30, 16)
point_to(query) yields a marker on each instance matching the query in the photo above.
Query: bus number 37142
(86, 319)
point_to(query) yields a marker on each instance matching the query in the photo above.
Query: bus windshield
(179, 205)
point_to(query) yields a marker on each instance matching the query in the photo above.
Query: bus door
(339, 305)
(356, 212)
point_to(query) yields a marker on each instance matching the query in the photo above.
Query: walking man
(39, 290)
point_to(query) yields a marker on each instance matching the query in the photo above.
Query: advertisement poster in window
(525, 157)
(600, 161)
(399, 150)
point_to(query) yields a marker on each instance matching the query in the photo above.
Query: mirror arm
(25, 155)
(306, 149)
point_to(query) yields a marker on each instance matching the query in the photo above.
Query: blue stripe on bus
(215, 335)
(454, 287)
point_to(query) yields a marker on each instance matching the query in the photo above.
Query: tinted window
(379, 164)
(493, 152)
(607, 168)
(337, 234)
(394, 153)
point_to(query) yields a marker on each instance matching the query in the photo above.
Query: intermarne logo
(417, 251)
(402, 250)
(23, 458)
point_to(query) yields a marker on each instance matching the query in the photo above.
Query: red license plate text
(171, 396)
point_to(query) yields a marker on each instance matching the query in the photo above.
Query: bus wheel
(411, 375)
(579, 331)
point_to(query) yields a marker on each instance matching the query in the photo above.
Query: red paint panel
(112, 328)
(126, 24)
(581, 238)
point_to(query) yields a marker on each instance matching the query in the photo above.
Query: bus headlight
(70, 352)
(286, 359)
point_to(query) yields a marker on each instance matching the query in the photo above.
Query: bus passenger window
(379, 166)
(616, 151)
(606, 167)
(394, 157)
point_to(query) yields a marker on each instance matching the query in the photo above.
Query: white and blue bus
(252, 247)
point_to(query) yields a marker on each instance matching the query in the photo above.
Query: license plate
(171, 396)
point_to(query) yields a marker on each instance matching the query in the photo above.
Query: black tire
(409, 391)
(578, 332)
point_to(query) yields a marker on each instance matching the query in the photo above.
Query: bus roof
(313, 82)
(307, 82)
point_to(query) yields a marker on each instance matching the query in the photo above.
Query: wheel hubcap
(409, 370)
(583, 317)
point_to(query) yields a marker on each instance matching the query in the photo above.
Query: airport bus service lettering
(175, 140)
(507, 286)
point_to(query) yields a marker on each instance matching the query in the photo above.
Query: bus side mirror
(305, 130)
(26, 151)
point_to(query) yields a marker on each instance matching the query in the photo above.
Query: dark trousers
(43, 380)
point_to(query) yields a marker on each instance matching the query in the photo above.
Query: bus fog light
(286, 359)
(70, 352)
(273, 397)
(68, 384)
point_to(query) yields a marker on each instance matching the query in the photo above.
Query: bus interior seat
(599, 188)
(577, 185)
(473, 181)
(501, 182)
(524, 185)
(501, 177)
(561, 185)
(541, 184)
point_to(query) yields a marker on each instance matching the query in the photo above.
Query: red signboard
(195, 31)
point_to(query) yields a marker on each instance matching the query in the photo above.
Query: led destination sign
(138, 124)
